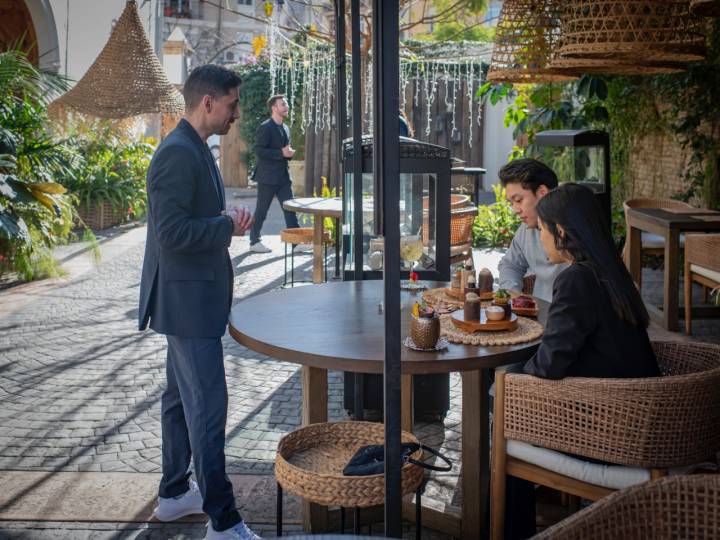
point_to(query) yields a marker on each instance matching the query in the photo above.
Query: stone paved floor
(80, 386)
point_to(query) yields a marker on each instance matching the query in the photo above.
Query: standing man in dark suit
(273, 151)
(186, 293)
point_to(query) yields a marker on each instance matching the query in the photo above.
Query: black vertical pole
(386, 155)
(340, 114)
(357, 228)
(340, 65)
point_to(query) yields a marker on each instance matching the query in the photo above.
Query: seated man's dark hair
(528, 172)
(208, 80)
(273, 99)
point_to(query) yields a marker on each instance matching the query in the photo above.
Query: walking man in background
(273, 152)
(186, 293)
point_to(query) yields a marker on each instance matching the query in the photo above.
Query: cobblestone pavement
(80, 387)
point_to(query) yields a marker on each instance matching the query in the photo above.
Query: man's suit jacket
(271, 166)
(187, 277)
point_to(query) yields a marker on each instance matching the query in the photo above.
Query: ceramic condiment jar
(471, 307)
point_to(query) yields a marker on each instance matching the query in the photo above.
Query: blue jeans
(193, 416)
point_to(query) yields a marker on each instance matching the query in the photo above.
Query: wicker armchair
(652, 244)
(702, 264)
(461, 222)
(672, 507)
(645, 426)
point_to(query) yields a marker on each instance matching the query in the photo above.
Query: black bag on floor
(370, 459)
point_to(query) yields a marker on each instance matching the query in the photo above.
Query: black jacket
(187, 277)
(272, 166)
(584, 337)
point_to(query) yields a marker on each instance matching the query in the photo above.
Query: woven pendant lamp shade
(636, 31)
(609, 66)
(526, 36)
(126, 78)
(705, 8)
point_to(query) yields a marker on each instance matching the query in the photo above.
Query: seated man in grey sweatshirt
(526, 181)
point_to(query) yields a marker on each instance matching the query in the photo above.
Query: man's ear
(560, 230)
(541, 191)
(207, 103)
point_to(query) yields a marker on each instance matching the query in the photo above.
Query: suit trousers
(265, 194)
(193, 417)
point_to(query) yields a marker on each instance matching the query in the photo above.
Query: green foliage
(112, 169)
(34, 212)
(328, 223)
(254, 93)
(685, 105)
(495, 224)
(458, 31)
(693, 116)
(459, 22)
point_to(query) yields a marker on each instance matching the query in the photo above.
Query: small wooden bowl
(489, 295)
(494, 313)
(483, 325)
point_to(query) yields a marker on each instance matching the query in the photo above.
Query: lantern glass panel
(582, 164)
(418, 218)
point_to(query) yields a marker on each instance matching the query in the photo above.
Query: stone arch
(32, 20)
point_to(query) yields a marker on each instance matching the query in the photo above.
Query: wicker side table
(296, 236)
(310, 460)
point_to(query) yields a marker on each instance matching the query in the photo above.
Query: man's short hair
(273, 99)
(528, 172)
(208, 80)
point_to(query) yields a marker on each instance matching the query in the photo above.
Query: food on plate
(524, 301)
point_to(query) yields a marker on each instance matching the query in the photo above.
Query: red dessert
(523, 301)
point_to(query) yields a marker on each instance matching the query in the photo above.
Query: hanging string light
(452, 73)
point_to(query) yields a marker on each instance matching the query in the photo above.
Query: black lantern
(424, 212)
(581, 156)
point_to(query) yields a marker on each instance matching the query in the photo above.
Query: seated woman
(596, 324)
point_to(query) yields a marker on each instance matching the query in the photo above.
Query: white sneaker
(303, 248)
(174, 508)
(259, 247)
(238, 532)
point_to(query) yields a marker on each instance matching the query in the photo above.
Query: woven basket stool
(310, 460)
(295, 236)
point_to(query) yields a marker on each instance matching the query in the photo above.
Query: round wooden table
(322, 208)
(339, 326)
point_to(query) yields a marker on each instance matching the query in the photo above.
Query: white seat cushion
(705, 272)
(655, 241)
(609, 476)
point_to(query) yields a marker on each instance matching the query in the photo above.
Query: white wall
(498, 141)
(45, 29)
(84, 26)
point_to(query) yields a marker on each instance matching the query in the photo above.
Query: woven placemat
(443, 303)
(527, 330)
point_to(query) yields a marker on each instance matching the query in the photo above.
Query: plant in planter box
(34, 213)
(111, 176)
(496, 223)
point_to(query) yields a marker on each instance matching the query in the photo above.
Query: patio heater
(581, 156)
(424, 209)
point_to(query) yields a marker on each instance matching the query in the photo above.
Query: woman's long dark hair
(587, 240)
